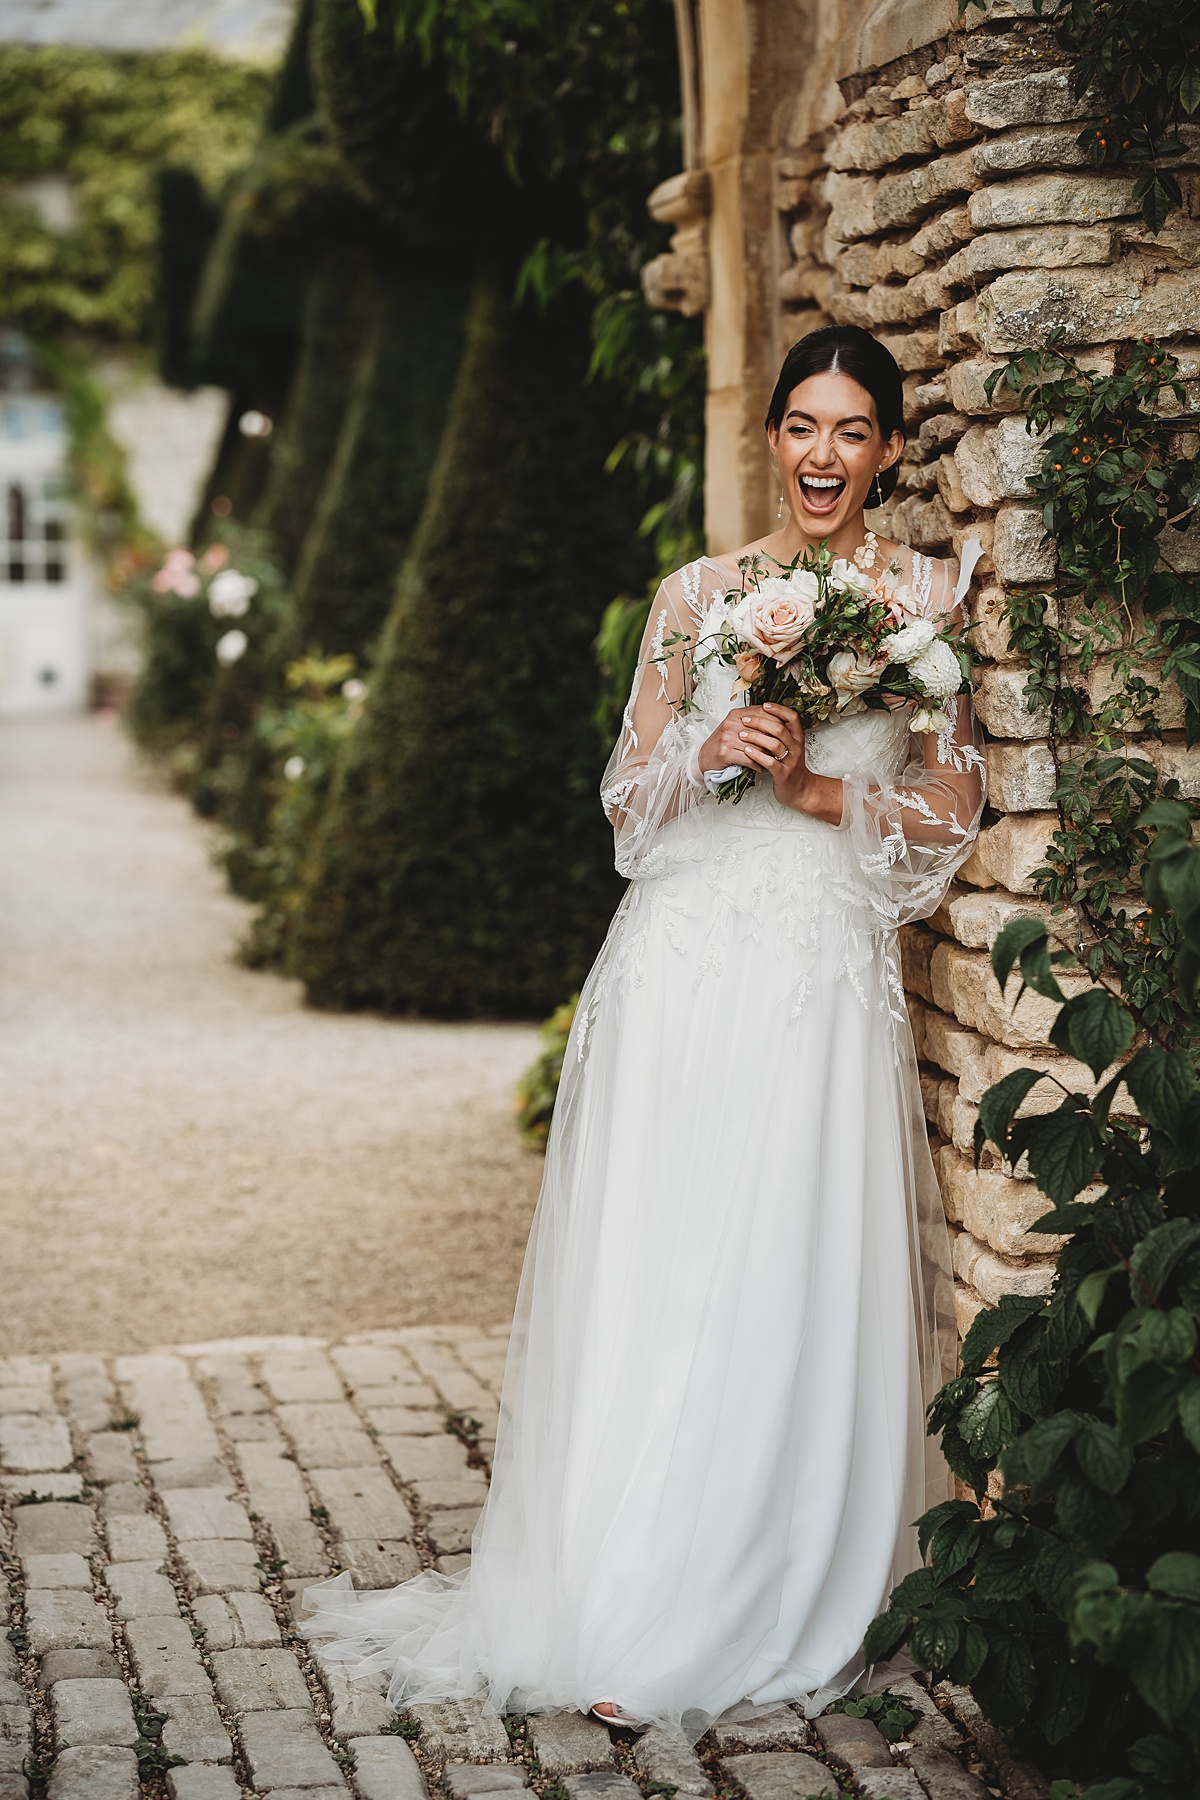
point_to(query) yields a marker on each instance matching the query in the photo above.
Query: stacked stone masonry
(161, 1517)
(950, 210)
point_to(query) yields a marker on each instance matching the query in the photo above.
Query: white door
(43, 622)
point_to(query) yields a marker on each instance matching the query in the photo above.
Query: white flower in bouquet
(294, 768)
(852, 676)
(774, 616)
(230, 594)
(930, 718)
(905, 645)
(850, 575)
(231, 647)
(937, 670)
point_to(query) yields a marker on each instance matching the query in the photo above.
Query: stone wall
(928, 185)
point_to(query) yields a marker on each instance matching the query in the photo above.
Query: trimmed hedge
(371, 502)
(465, 867)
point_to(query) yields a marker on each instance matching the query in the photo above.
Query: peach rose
(774, 616)
(749, 665)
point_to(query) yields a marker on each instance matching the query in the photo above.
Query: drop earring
(779, 509)
(878, 489)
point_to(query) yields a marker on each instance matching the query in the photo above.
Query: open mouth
(821, 493)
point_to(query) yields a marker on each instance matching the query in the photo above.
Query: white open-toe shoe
(616, 1715)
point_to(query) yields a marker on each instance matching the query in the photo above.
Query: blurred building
(255, 29)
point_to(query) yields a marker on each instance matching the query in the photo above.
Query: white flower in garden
(852, 676)
(904, 645)
(177, 575)
(230, 594)
(937, 670)
(294, 768)
(929, 718)
(354, 689)
(231, 648)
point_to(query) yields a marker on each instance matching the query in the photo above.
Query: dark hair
(846, 350)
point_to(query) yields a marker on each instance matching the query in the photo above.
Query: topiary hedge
(376, 485)
(464, 867)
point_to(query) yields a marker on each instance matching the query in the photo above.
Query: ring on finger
(783, 756)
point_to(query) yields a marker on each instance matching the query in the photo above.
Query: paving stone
(461, 1391)
(165, 1658)
(386, 1769)
(428, 1458)
(78, 1665)
(274, 1482)
(90, 1396)
(194, 1728)
(660, 1757)
(91, 1773)
(258, 1680)
(854, 1742)
(889, 1784)
(173, 1418)
(284, 1749)
(568, 1743)
(299, 1375)
(203, 1784)
(123, 1498)
(454, 1565)
(362, 1503)
(53, 1528)
(70, 1570)
(219, 1566)
(379, 1563)
(32, 1441)
(373, 1365)
(136, 1538)
(255, 1620)
(327, 1435)
(301, 1546)
(933, 1730)
(141, 1592)
(358, 1707)
(15, 1723)
(28, 1488)
(216, 1621)
(943, 1776)
(460, 1731)
(602, 1784)
(193, 1472)
(110, 1456)
(464, 1780)
(93, 1712)
(309, 1793)
(779, 1730)
(785, 1775)
(450, 1530)
(469, 1489)
(253, 1428)
(407, 1421)
(62, 1619)
(205, 1512)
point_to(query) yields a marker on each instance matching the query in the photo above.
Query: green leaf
(1095, 1028)
(953, 1543)
(1037, 1452)
(972, 1654)
(1062, 1148)
(987, 1422)
(1156, 1257)
(1167, 1671)
(885, 1634)
(1054, 1574)
(1168, 1337)
(1063, 1693)
(1024, 940)
(1189, 1413)
(999, 1105)
(1090, 1292)
(933, 1640)
(995, 1325)
(1162, 1083)
(1101, 1455)
(1189, 88)
(1177, 1574)
(1006, 1684)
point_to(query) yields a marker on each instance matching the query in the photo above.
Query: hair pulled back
(846, 350)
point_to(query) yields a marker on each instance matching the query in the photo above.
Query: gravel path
(188, 1152)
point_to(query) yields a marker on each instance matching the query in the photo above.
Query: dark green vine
(1116, 481)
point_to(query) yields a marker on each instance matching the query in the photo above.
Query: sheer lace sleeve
(652, 776)
(909, 837)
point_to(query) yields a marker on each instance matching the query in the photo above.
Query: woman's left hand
(773, 740)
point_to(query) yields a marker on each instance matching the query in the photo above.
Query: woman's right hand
(726, 747)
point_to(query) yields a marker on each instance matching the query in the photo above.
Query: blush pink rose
(775, 616)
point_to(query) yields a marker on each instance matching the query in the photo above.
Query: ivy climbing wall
(949, 208)
(927, 182)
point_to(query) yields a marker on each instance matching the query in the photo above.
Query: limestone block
(958, 329)
(136, 1538)
(66, 1570)
(990, 636)
(963, 984)
(1046, 98)
(1021, 777)
(928, 523)
(141, 1592)
(1001, 705)
(851, 201)
(917, 945)
(961, 1051)
(993, 1276)
(965, 385)
(1051, 199)
(977, 919)
(996, 1209)
(1021, 550)
(921, 398)
(967, 1308)
(950, 485)
(903, 198)
(1181, 549)
(877, 143)
(855, 265)
(1091, 305)
(939, 235)
(995, 461)
(913, 349)
(1047, 247)
(1176, 762)
(916, 1020)
(1011, 850)
(1045, 147)
(1101, 682)
(955, 1120)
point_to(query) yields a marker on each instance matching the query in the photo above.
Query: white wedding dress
(737, 1298)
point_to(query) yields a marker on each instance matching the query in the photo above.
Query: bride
(736, 1300)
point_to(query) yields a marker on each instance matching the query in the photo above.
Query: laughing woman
(736, 1298)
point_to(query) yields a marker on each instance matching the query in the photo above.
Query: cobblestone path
(190, 1152)
(161, 1516)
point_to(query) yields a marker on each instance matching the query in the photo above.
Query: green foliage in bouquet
(377, 480)
(1070, 1603)
(465, 867)
(537, 1089)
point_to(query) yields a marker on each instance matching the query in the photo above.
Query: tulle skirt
(735, 1304)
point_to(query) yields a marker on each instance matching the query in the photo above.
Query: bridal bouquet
(828, 637)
